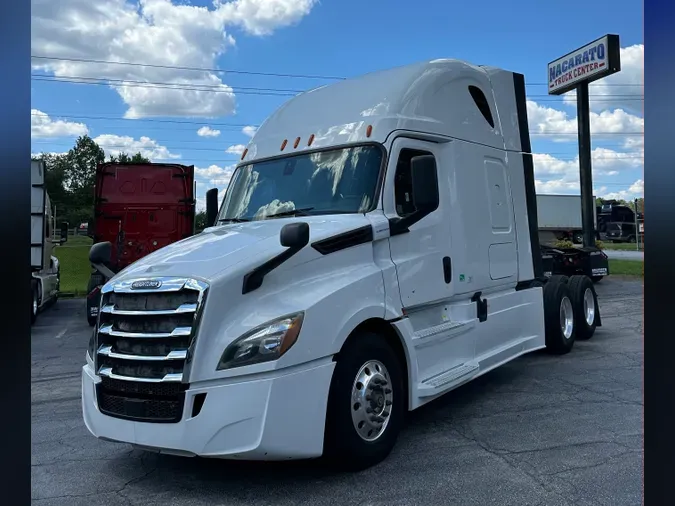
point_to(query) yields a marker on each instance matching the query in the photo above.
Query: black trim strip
(521, 107)
(254, 279)
(528, 173)
(361, 235)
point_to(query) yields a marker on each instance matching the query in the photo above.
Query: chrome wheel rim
(566, 317)
(372, 398)
(589, 307)
(35, 304)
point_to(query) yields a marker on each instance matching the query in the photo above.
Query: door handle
(447, 269)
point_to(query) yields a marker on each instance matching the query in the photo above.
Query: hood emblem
(146, 284)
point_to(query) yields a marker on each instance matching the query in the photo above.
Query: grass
(75, 268)
(622, 246)
(626, 268)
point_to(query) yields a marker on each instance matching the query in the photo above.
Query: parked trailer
(45, 270)
(373, 262)
(559, 217)
(139, 208)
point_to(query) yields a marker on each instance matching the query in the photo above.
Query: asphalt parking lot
(542, 431)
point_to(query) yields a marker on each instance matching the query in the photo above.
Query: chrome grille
(146, 335)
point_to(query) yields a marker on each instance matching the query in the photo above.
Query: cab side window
(403, 182)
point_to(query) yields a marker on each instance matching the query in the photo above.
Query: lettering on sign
(593, 61)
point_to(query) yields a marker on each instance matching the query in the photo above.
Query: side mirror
(100, 253)
(64, 233)
(294, 235)
(211, 206)
(424, 183)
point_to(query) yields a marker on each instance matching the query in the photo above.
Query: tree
(125, 158)
(200, 221)
(82, 161)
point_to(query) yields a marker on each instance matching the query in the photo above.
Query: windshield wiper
(233, 220)
(303, 211)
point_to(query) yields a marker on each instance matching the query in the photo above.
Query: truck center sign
(593, 61)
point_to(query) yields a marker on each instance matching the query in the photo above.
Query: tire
(556, 299)
(344, 447)
(35, 303)
(631, 239)
(95, 280)
(577, 238)
(585, 306)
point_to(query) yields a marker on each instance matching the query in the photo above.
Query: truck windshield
(327, 182)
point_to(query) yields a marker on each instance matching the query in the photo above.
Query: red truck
(138, 208)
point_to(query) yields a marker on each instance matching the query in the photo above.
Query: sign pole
(585, 168)
(575, 71)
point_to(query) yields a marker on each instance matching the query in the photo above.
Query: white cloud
(622, 90)
(557, 176)
(237, 149)
(249, 130)
(157, 32)
(604, 161)
(217, 176)
(261, 17)
(42, 126)
(207, 131)
(549, 121)
(149, 148)
(635, 191)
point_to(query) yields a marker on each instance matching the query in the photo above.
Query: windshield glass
(326, 182)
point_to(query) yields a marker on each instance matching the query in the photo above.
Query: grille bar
(107, 350)
(177, 332)
(182, 309)
(107, 372)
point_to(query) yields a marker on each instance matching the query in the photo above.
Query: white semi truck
(45, 272)
(376, 248)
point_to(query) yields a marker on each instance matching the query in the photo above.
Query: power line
(245, 72)
(209, 87)
(167, 87)
(154, 120)
(243, 91)
(162, 83)
(241, 125)
(197, 69)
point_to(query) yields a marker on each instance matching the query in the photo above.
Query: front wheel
(366, 404)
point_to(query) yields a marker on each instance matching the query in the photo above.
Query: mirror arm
(104, 270)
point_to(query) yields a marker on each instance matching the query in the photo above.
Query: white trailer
(376, 248)
(45, 271)
(559, 217)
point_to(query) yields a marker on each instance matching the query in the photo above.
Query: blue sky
(328, 38)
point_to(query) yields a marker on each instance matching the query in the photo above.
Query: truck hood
(217, 250)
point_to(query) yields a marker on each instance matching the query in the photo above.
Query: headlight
(263, 344)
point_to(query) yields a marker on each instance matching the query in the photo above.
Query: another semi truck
(139, 208)
(45, 271)
(559, 217)
(376, 248)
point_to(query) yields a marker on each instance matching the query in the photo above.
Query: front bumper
(270, 418)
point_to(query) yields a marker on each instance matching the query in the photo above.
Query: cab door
(424, 265)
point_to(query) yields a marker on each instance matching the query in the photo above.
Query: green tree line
(70, 178)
